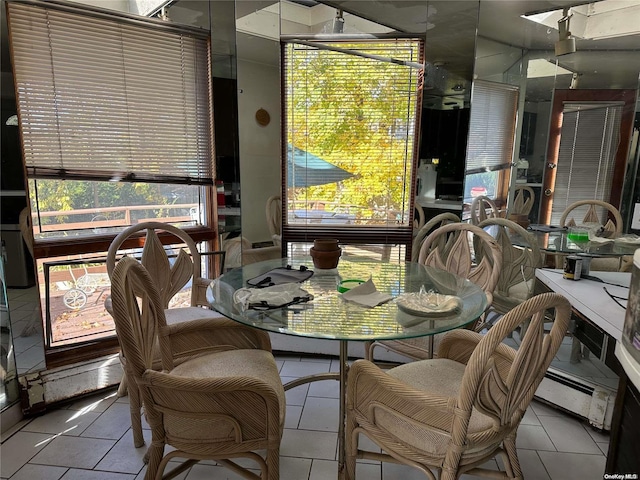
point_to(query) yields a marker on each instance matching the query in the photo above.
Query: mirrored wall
(600, 68)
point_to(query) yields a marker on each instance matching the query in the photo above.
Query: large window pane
(77, 208)
(350, 134)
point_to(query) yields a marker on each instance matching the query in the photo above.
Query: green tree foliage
(359, 114)
(68, 195)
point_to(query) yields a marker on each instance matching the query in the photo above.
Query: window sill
(59, 247)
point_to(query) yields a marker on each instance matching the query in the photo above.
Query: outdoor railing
(125, 216)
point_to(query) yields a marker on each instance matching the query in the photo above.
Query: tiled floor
(91, 439)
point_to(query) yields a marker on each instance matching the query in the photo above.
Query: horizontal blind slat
(98, 96)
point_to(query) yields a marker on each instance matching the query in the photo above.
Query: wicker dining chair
(208, 402)
(419, 219)
(519, 263)
(273, 211)
(428, 227)
(592, 216)
(171, 279)
(450, 248)
(523, 200)
(482, 207)
(594, 213)
(453, 413)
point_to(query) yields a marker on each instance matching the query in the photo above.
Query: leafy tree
(359, 114)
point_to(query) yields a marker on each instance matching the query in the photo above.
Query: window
(492, 126)
(589, 139)
(116, 128)
(350, 139)
(115, 117)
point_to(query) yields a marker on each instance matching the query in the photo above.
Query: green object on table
(578, 234)
(346, 285)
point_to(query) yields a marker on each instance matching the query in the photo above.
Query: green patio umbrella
(305, 169)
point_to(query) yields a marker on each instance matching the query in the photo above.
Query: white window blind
(102, 97)
(586, 159)
(492, 125)
(351, 124)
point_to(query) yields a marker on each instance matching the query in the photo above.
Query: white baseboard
(48, 387)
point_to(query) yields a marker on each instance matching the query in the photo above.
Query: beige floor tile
(211, 472)
(534, 437)
(309, 444)
(19, 449)
(325, 388)
(320, 414)
(293, 416)
(531, 465)
(541, 409)
(529, 418)
(66, 422)
(295, 467)
(598, 436)
(569, 466)
(74, 452)
(324, 469)
(112, 424)
(369, 471)
(569, 435)
(604, 447)
(96, 403)
(170, 466)
(296, 395)
(124, 457)
(39, 472)
(77, 474)
(391, 471)
(301, 369)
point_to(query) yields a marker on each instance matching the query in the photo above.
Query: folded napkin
(276, 296)
(630, 238)
(366, 294)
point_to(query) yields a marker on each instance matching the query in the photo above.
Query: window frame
(352, 234)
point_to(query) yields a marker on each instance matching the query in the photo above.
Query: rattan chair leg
(135, 405)
(513, 465)
(122, 388)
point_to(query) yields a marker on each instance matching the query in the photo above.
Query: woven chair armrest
(108, 305)
(214, 334)
(200, 286)
(369, 388)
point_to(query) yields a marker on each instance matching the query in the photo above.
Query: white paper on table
(366, 294)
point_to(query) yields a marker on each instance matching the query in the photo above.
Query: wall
(258, 87)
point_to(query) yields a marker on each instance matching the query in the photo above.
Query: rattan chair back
(449, 415)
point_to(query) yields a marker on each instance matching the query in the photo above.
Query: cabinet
(444, 136)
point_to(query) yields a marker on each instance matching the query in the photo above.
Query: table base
(342, 378)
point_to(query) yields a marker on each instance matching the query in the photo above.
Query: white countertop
(440, 204)
(589, 298)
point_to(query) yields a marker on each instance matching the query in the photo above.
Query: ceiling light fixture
(566, 43)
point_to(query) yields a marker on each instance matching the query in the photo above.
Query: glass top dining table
(329, 316)
(556, 240)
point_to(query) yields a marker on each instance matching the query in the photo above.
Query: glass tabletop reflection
(328, 316)
(558, 241)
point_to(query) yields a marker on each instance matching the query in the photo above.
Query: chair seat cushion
(185, 314)
(521, 291)
(256, 363)
(439, 376)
